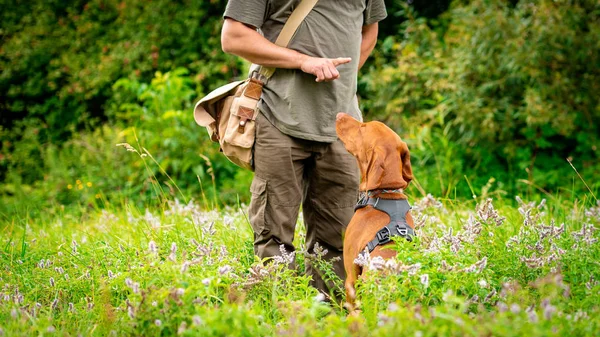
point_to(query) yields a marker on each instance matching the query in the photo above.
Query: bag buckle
(255, 74)
(242, 126)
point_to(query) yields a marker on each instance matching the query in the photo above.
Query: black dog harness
(398, 226)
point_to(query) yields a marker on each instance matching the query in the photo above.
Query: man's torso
(292, 100)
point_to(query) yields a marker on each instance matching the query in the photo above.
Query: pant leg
(332, 192)
(277, 189)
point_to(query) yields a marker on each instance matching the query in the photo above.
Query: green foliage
(60, 59)
(492, 97)
(61, 69)
(502, 91)
(179, 269)
(170, 156)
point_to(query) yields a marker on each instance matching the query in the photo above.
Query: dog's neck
(394, 194)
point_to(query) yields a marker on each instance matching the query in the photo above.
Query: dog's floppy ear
(375, 168)
(407, 174)
(348, 130)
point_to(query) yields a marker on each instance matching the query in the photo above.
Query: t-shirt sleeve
(374, 12)
(250, 12)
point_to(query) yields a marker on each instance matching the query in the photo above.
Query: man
(297, 156)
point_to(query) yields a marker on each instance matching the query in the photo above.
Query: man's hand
(242, 40)
(323, 68)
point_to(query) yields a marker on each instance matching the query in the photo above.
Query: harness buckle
(383, 235)
(362, 202)
(403, 231)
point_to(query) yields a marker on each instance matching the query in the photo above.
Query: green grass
(475, 270)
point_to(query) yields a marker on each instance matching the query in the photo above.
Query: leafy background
(490, 96)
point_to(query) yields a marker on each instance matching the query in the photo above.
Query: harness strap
(398, 226)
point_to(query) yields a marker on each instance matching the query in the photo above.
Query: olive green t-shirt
(292, 100)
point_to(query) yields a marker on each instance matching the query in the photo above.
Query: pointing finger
(341, 60)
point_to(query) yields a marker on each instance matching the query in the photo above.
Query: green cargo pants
(289, 172)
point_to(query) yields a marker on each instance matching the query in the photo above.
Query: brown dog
(384, 163)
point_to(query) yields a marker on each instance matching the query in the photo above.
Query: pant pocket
(258, 188)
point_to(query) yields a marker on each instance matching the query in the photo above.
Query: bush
(171, 157)
(60, 60)
(503, 92)
(492, 97)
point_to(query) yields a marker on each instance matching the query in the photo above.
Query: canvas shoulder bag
(229, 112)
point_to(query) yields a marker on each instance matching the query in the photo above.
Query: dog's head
(382, 156)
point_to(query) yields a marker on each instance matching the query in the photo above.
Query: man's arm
(369, 39)
(244, 41)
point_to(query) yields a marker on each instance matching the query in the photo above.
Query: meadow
(483, 267)
(119, 216)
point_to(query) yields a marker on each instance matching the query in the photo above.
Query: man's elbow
(227, 41)
(231, 36)
(226, 44)
(227, 38)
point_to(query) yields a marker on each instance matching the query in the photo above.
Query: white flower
(377, 263)
(549, 309)
(502, 307)
(225, 270)
(152, 220)
(152, 247)
(425, 280)
(173, 255)
(285, 257)
(533, 316)
(130, 309)
(185, 266)
(182, 328)
(363, 259)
